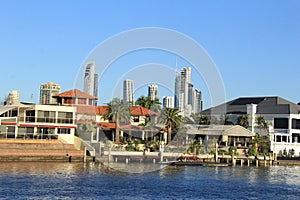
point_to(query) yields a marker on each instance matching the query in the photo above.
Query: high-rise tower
(187, 99)
(95, 92)
(47, 91)
(168, 102)
(128, 91)
(153, 92)
(89, 77)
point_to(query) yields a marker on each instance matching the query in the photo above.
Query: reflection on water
(95, 181)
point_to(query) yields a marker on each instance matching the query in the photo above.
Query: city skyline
(256, 53)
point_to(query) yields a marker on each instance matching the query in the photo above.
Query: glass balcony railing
(53, 120)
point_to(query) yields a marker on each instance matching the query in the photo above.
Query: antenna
(176, 64)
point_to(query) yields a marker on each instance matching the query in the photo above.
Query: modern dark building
(282, 115)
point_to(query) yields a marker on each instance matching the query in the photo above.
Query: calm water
(93, 181)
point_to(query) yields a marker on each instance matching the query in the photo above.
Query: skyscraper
(196, 101)
(182, 82)
(128, 91)
(187, 99)
(12, 98)
(95, 92)
(89, 77)
(168, 102)
(153, 92)
(47, 91)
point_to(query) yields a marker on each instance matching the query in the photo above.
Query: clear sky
(255, 44)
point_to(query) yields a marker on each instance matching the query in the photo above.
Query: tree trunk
(117, 134)
(169, 134)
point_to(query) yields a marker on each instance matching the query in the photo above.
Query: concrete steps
(39, 150)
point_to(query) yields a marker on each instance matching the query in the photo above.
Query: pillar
(233, 158)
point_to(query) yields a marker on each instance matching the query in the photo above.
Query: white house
(282, 115)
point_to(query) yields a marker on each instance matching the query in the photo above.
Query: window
(65, 117)
(281, 123)
(136, 119)
(295, 123)
(82, 101)
(46, 116)
(296, 138)
(30, 116)
(278, 138)
(63, 131)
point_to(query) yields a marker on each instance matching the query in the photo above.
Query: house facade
(28, 121)
(282, 116)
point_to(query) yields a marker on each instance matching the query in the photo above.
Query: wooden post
(242, 162)
(153, 160)
(109, 152)
(233, 159)
(248, 162)
(256, 162)
(84, 159)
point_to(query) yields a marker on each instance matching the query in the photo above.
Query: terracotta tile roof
(111, 125)
(75, 93)
(141, 111)
(107, 125)
(101, 110)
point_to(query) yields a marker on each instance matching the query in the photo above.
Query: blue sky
(255, 44)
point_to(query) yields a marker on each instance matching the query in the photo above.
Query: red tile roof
(107, 125)
(101, 110)
(75, 93)
(141, 111)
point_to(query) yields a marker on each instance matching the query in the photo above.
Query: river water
(95, 181)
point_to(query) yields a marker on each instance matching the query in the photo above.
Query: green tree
(261, 144)
(243, 120)
(262, 124)
(204, 120)
(146, 102)
(171, 118)
(226, 119)
(117, 112)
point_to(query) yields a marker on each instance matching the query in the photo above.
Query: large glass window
(30, 116)
(65, 117)
(281, 123)
(295, 123)
(63, 131)
(46, 116)
(296, 138)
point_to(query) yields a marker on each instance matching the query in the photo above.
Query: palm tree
(146, 102)
(262, 124)
(243, 120)
(117, 112)
(225, 120)
(171, 118)
(204, 120)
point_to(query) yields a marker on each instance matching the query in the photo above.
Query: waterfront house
(92, 126)
(282, 115)
(30, 121)
(224, 135)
